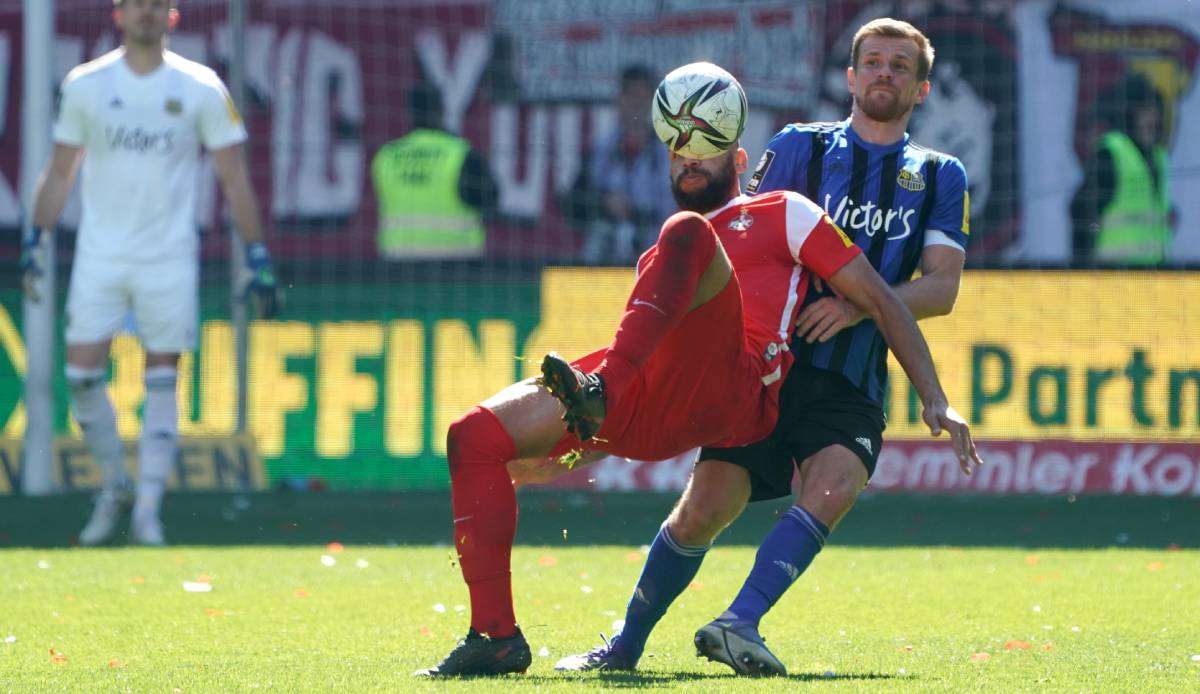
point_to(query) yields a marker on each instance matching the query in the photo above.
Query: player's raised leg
(522, 421)
(686, 268)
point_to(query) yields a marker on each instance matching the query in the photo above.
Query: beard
(884, 111)
(712, 195)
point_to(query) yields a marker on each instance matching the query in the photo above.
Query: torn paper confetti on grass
(197, 587)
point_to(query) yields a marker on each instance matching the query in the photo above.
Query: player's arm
(50, 197)
(230, 163)
(861, 285)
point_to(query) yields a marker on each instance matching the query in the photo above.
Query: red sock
(485, 517)
(664, 291)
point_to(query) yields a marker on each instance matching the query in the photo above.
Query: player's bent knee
(477, 436)
(687, 232)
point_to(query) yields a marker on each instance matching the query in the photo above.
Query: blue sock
(669, 568)
(783, 555)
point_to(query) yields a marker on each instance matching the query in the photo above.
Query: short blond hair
(899, 29)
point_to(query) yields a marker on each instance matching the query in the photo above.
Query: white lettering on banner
(1130, 469)
(575, 50)
(522, 198)
(1012, 467)
(456, 82)
(326, 179)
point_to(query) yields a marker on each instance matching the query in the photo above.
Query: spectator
(628, 174)
(434, 191)
(1122, 211)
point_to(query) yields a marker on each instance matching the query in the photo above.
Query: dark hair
(425, 104)
(1119, 106)
(636, 72)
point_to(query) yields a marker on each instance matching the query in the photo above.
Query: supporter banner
(532, 84)
(361, 391)
(202, 464)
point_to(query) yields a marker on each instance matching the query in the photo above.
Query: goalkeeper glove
(263, 291)
(29, 266)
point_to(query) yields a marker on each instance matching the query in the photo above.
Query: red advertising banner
(1012, 467)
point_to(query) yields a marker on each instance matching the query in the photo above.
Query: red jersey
(772, 240)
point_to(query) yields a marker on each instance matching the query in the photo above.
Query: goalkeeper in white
(137, 118)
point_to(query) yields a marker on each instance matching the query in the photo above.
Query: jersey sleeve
(776, 169)
(814, 240)
(70, 125)
(220, 123)
(950, 222)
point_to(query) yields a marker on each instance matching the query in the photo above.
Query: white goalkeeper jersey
(142, 136)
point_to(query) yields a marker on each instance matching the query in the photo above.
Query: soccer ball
(699, 110)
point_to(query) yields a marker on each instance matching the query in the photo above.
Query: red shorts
(701, 385)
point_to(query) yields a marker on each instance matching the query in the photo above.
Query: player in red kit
(697, 359)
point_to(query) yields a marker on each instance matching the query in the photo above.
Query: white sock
(95, 414)
(160, 434)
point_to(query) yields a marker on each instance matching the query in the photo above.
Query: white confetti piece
(1037, 608)
(439, 608)
(1047, 627)
(43, 564)
(1195, 658)
(902, 671)
(10, 639)
(362, 563)
(328, 560)
(1075, 629)
(544, 652)
(586, 589)
(459, 608)
(618, 625)
(197, 587)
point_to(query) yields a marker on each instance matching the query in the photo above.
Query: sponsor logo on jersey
(760, 170)
(865, 443)
(742, 222)
(911, 180)
(896, 223)
(116, 103)
(173, 107)
(140, 140)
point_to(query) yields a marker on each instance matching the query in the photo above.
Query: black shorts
(818, 408)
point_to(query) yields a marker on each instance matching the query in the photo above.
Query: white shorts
(161, 298)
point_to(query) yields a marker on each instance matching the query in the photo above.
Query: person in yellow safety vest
(1122, 213)
(433, 190)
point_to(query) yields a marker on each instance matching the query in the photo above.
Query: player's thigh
(830, 481)
(98, 301)
(166, 305)
(715, 496)
(530, 415)
(715, 277)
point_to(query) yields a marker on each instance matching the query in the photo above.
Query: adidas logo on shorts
(865, 443)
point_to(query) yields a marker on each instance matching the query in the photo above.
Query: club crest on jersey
(173, 107)
(742, 222)
(911, 180)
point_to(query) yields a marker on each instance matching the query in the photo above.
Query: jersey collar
(741, 199)
(871, 147)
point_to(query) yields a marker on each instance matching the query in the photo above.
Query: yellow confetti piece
(334, 547)
(1032, 560)
(980, 657)
(1155, 566)
(547, 560)
(301, 593)
(57, 657)
(1016, 645)
(115, 664)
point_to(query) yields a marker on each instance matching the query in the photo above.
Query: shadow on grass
(570, 518)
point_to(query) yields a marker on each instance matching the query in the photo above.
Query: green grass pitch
(912, 594)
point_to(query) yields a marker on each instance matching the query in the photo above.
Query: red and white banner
(1012, 467)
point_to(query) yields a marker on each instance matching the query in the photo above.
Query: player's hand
(940, 416)
(263, 290)
(826, 317)
(29, 267)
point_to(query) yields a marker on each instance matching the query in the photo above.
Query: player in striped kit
(136, 118)
(696, 360)
(905, 207)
